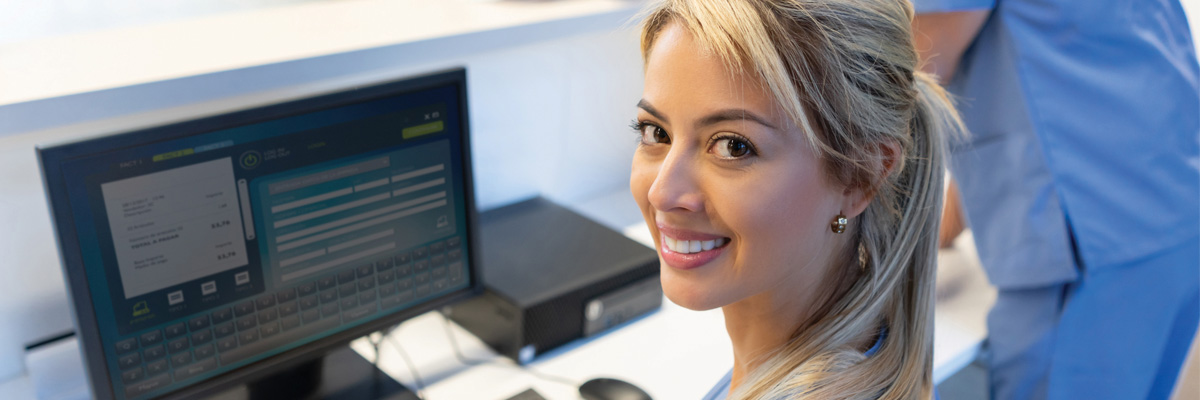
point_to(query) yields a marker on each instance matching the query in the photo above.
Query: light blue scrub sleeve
(936, 6)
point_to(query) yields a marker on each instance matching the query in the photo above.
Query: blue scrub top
(1085, 121)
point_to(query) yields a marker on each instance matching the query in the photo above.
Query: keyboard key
(404, 284)
(222, 315)
(346, 276)
(439, 273)
(423, 278)
(129, 361)
(347, 289)
(156, 367)
(289, 323)
(455, 270)
(329, 310)
(224, 330)
(287, 309)
(307, 289)
(263, 302)
(267, 316)
(248, 337)
(385, 264)
(358, 313)
(387, 290)
(177, 345)
(204, 351)
(406, 296)
(196, 369)
(198, 323)
(424, 290)
(366, 284)
(243, 309)
(329, 296)
(420, 252)
(421, 266)
(440, 284)
(176, 330)
(152, 338)
(403, 258)
(453, 242)
(143, 387)
(326, 283)
(154, 353)
(181, 359)
(404, 270)
(454, 255)
(133, 375)
(127, 345)
(285, 295)
(247, 322)
(309, 302)
(200, 337)
(365, 270)
(386, 277)
(310, 316)
(269, 330)
(366, 297)
(438, 261)
(349, 302)
(437, 248)
(227, 344)
(389, 302)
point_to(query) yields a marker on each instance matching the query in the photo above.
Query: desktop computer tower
(553, 276)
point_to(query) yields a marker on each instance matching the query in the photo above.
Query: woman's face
(734, 196)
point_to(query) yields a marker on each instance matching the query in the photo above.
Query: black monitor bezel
(50, 159)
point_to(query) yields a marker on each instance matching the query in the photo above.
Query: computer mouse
(611, 389)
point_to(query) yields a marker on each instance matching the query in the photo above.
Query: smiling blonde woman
(790, 167)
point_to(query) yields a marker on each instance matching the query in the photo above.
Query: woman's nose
(676, 187)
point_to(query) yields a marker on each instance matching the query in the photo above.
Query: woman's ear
(888, 158)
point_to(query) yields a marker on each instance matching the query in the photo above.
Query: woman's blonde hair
(846, 73)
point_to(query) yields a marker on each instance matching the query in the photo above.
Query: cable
(412, 367)
(511, 364)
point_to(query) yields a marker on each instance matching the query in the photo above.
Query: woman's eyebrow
(733, 114)
(645, 105)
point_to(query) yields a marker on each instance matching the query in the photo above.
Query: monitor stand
(342, 374)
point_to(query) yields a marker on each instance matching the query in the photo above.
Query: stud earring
(839, 224)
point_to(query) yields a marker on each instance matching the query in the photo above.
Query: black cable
(511, 364)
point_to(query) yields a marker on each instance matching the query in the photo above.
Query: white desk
(674, 353)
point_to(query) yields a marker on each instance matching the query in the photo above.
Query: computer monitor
(218, 249)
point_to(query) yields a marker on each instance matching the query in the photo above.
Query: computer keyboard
(153, 359)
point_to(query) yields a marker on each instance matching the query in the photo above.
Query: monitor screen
(199, 250)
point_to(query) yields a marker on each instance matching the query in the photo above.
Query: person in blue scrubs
(1080, 183)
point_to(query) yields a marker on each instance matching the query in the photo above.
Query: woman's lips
(687, 250)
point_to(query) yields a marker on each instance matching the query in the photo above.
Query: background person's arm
(941, 38)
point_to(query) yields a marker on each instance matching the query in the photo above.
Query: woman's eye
(652, 134)
(731, 148)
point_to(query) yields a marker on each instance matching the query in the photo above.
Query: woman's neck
(761, 324)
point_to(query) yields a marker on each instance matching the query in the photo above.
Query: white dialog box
(174, 226)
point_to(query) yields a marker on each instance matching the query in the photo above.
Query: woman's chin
(687, 293)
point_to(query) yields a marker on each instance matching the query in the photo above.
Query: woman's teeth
(691, 246)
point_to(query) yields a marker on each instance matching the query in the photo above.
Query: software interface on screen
(213, 251)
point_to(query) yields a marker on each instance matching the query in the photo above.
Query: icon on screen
(442, 222)
(140, 308)
(175, 297)
(242, 278)
(208, 288)
(250, 159)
